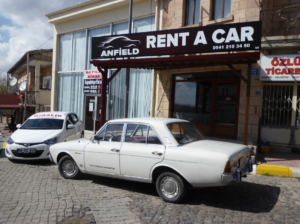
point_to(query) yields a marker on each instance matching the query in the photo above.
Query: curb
(274, 170)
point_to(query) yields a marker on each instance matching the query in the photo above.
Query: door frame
(215, 81)
(84, 114)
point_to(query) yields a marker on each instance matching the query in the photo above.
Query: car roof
(148, 120)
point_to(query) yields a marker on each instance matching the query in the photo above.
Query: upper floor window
(221, 9)
(192, 12)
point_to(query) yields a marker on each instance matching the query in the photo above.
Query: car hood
(34, 136)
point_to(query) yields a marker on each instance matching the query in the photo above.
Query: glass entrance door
(226, 110)
(92, 112)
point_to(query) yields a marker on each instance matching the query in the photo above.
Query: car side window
(74, 118)
(152, 137)
(68, 121)
(99, 137)
(114, 132)
(136, 133)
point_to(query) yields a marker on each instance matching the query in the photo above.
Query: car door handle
(115, 150)
(157, 153)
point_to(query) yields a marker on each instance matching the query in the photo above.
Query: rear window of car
(43, 124)
(185, 132)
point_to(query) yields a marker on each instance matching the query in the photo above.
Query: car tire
(68, 168)
(171, 187)
(82, 135)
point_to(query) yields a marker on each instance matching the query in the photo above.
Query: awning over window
(181, 61)
(9, 101)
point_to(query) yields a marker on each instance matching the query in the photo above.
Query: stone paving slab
(34, 192)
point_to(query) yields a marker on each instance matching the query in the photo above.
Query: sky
(24, 27)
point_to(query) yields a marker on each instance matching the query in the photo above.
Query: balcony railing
(30, 98)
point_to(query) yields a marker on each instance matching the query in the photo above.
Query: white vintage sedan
(33, 138)
(172, 153)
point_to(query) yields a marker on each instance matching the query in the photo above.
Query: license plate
(242, 162)
(26, 151)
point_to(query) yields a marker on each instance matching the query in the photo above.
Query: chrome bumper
(237, 175)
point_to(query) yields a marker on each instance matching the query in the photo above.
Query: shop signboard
(92, 82)
(280, 67)
(202, 39)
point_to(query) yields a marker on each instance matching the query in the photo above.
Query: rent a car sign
(280, 68)
(204, 39)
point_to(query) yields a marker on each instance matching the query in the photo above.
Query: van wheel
(68, 168)
(170, 187)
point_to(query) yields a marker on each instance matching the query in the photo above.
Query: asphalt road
(34, 192)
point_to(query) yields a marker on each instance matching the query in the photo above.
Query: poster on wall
(92, 82)
(202, 39)
(280, 68)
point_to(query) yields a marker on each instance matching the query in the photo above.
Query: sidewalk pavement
(5, 134)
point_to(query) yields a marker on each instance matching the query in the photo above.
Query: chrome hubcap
(69, 167)
(169, 187)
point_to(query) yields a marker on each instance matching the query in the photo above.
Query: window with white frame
(46, 82)
(72, 51)
(73, 61)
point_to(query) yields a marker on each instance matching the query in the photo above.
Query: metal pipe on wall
(128, 69)
(247, 104)
(25, 97)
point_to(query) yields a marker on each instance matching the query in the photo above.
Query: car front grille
(29, 155)
(31, 144)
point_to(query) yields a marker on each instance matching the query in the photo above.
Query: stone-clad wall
(164, 96)
(241, 11)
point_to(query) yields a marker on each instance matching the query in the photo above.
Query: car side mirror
(18, 126)
(71, 126)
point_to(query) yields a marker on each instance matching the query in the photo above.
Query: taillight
(228, 167)
(81, 122)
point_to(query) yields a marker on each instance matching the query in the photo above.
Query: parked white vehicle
(32, 139)
(172, 153)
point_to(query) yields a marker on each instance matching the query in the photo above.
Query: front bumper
(42, 151)
(237, 175)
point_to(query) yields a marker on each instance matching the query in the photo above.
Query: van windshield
(185, 132)
(43, 123)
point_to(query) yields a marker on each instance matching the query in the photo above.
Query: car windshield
(43, 123)
(185, 132)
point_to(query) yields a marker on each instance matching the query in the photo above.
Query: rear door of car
(140, 151)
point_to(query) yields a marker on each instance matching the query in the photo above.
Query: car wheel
(68, 168)
(170, 187)
(82, 135)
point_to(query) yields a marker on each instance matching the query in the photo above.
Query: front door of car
(140, 151)
(70, 134)
(77, 125)
(102, 155)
